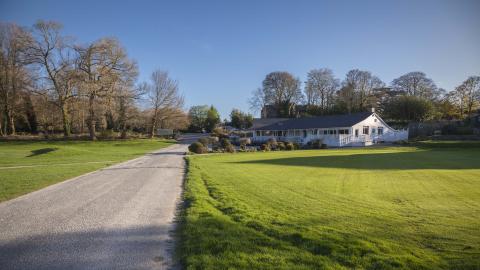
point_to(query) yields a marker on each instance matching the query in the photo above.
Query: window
(373, 130)
(356, 132)
(291, 133)
(325, 131)
(365, 130)
(380, 130)
(343, 131)
(297, 132)
(258, 133)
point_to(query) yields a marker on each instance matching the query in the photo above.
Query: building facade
(358, 129)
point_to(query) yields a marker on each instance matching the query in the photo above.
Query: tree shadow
(423, 159)
(130, 248)
(172, 153)
(42, 151)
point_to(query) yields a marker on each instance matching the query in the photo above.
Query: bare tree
(54, 55)
(363, 84)
(164, 97)
(415, 84)
(468, 94)
(127, 110)
(320, 88)
(257, 101)
(102, 66)
(280, 89)
(15, 78)
(346, 97)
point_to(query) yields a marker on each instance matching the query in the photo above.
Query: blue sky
(220, 51)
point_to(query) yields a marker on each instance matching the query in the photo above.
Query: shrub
(272, 143)
(230, 148)
(265, 147)
(323, 146)
(213, 140)
(108, 134)
(245, 141)
(197, 148)
(289, 146)
(315, 144)
(296, 146)
(243, 146)
(281, 146)
(224, 143)
(204, 141)
(219, 132)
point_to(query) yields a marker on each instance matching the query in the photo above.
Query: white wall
(373, 122)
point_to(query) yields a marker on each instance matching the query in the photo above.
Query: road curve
(119, 217)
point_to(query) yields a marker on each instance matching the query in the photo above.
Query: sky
(220, 51)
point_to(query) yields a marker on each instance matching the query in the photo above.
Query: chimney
(372, 109)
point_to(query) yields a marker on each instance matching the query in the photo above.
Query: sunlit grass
(28, 166)
(372, 208)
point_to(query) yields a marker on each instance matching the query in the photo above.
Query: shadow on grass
(42, 151)
(130, 248)
(429, 159)
(216, 242)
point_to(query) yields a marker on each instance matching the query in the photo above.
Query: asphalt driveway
(120, 217)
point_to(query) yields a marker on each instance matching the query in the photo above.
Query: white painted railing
(351, 140)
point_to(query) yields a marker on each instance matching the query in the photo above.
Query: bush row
(223, 145)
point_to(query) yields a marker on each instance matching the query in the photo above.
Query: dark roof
(262, 122)
(329, 121)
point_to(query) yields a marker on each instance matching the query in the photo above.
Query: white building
(357, 129)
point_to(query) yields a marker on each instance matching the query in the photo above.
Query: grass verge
(26, 166)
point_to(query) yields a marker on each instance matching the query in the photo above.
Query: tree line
(411, 97)
(49, 82)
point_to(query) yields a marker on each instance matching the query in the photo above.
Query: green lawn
(39, 164)
(373, 208)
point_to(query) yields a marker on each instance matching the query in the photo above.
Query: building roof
(329, 121)
(262, 122)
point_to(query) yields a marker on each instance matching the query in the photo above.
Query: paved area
(120, 217)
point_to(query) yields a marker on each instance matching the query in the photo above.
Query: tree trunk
(11, 124)
(91, 118)
(1, 127)
(31, 115)
(154, 125)
(65, 120)
(123, 119)
(9, 121)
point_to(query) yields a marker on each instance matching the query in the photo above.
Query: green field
(373, 208)
(28, 166)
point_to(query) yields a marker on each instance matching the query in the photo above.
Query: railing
(351, 139)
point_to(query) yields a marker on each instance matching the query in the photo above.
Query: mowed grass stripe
(372, 208)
